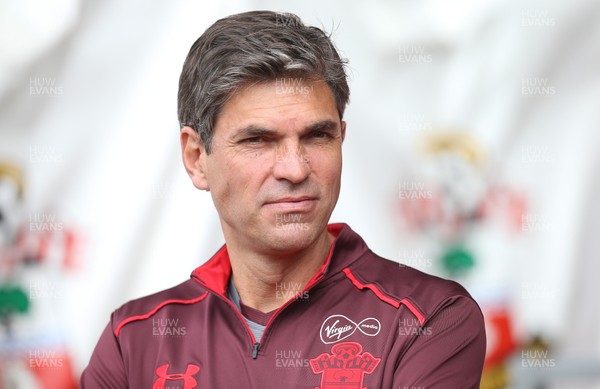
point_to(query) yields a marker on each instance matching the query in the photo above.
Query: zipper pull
(255, 348)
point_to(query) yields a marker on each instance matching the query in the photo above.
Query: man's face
(275, 164)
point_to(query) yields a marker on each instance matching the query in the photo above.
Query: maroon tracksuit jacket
(361, 322)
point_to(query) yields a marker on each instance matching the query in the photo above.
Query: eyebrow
(324, 125)
(253, 130)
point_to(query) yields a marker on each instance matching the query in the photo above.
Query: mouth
(293, 204)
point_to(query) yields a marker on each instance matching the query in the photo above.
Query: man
(289, 301)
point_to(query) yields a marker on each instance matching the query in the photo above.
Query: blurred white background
(479, 118)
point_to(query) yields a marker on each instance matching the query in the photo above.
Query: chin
(293, 237)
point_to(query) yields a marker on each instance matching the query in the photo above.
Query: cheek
(328, 167)
(240, 178)
(335, 175)
(219, 180)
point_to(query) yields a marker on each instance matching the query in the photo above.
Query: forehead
(278, 104)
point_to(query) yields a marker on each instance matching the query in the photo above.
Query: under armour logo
(189, 382)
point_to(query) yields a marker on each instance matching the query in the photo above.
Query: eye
(321, 134)
(254, 139)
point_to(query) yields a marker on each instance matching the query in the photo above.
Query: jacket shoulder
(188, 292)
(404, 284)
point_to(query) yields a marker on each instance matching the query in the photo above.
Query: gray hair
(257, 46)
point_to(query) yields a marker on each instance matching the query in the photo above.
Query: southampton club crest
(345, 367)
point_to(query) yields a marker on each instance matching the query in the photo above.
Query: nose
(291, 163)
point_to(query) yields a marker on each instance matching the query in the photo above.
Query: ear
(193, 154)
(343, 130)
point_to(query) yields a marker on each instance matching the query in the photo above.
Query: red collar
(215, 273)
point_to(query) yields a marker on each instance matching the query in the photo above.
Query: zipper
(255, 348)
(256, 345)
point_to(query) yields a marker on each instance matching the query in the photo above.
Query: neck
(266, 281)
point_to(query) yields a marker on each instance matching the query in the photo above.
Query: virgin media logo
(338, 327)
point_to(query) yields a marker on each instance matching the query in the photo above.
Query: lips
(291, 200)
(293, 204)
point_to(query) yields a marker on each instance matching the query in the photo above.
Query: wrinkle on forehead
(262, 106)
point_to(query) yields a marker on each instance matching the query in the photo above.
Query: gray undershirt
(257, 329)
